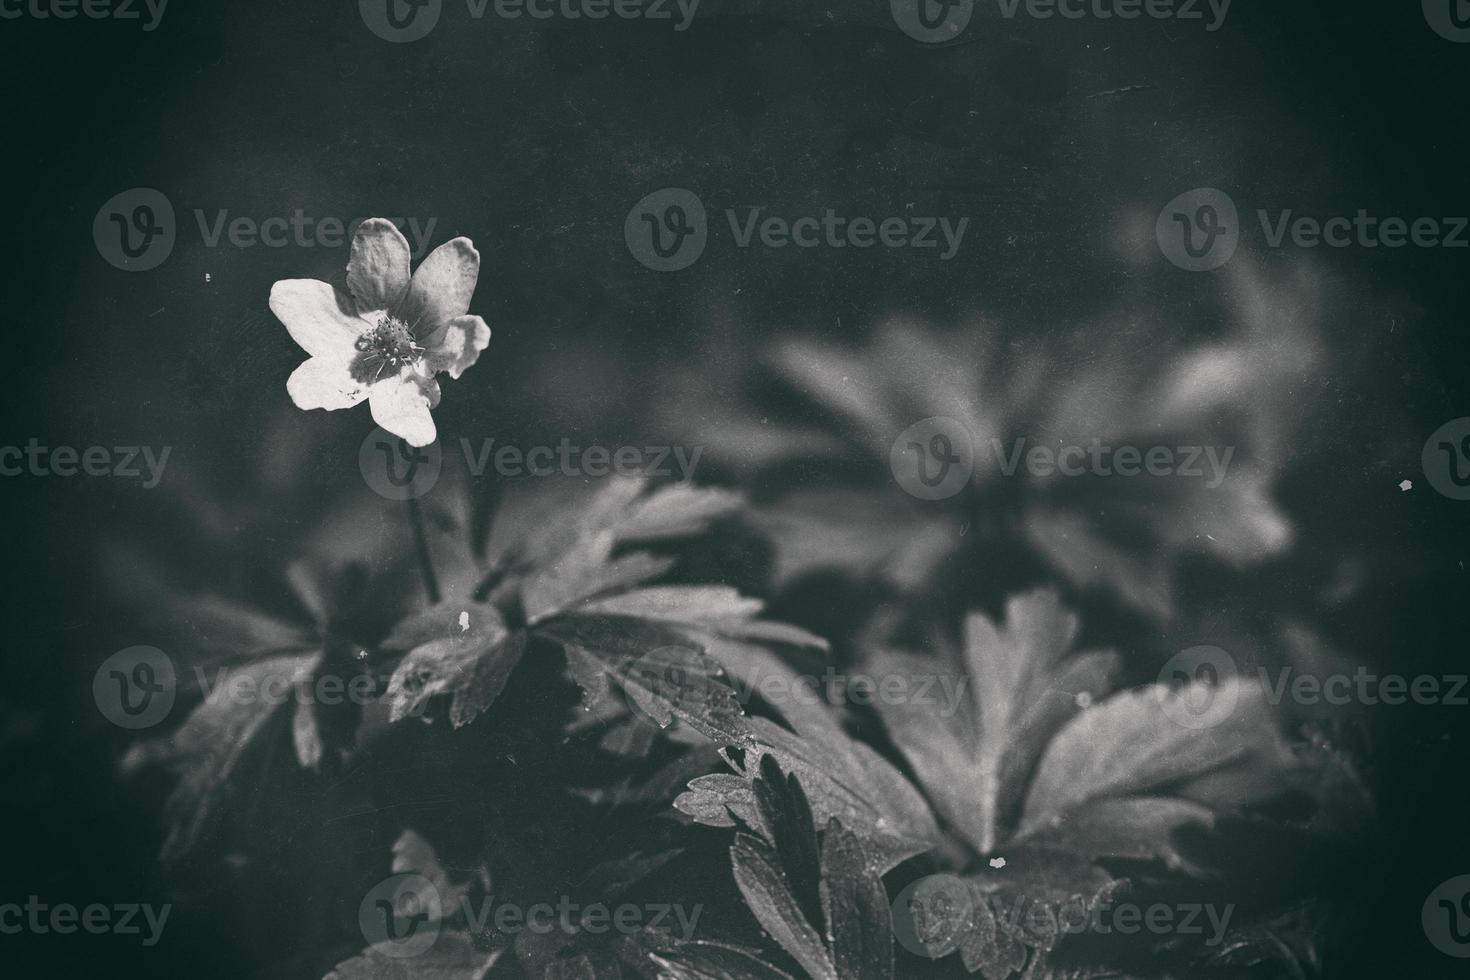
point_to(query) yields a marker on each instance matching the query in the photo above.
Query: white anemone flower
(388, 336)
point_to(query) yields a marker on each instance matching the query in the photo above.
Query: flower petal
(377, 273)
(324, 382)
(322, 319)
(459, 345)
(400, 406)
(430, 388)
(441, 289)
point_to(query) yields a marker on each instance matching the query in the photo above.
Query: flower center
(385, 348)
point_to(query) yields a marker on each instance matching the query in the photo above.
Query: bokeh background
(1059, 140)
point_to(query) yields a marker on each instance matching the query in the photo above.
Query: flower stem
(421, 544)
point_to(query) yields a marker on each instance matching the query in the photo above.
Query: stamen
(387, 345)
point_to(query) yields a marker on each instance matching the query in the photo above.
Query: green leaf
(452, 957)
(229, 630)
(760, 879)
(677, 510)
(211, 743)
(715, 961)
(709, 605)
(856, 908)
(1138, 828)
(412, 853)
(843, 778)
(574, 574)
(472, 665)
(1132, 744)
(1000, 700)
(718, 800)
(664, 673)
(822, 901)
(988, 949)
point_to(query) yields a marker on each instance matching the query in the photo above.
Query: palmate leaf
(1035, 754)
(568, 583)
(822, 902)
(255, 667)
(1121, 380)
(1011, 694)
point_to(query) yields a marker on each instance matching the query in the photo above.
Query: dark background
(535, 140)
